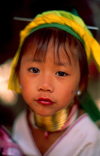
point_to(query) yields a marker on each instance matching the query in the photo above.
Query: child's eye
(60, 73)
(34, 70)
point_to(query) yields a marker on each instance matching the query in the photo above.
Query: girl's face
(49, 85)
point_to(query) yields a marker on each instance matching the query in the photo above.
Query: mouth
(45, 101)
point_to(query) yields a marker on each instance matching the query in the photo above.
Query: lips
(45, 101)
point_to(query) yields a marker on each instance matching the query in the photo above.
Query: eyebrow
(62, 64)
(33, 60)
(59, 63)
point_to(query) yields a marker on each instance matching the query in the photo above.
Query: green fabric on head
(60, 26)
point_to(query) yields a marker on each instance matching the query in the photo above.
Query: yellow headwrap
(62, 18)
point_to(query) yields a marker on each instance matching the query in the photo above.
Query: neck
(56, 122)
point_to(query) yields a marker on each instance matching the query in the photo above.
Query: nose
(46, 84)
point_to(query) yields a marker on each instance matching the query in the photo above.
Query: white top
(82, 138)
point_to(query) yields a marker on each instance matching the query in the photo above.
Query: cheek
(25, 86)
(27, 94)
(74, 89)
(73, 92)
(68, 94)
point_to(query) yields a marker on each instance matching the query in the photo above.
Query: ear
(84, 83)
(18, 77)
(82, 86)
(80, 89)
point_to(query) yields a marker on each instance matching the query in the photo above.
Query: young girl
(50, 69)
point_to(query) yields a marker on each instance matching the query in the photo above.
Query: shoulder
(82, 138)
(85, 122)
(20, 120)
(88, 129)
(20, 125)
(91, 139)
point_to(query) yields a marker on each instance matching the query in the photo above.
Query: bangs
(42, 38)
